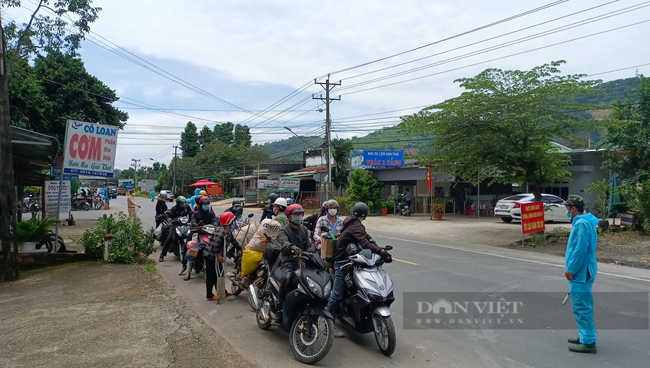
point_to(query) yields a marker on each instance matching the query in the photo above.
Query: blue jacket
(581, 248)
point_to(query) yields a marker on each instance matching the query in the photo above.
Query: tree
(628, 133)
(224, 133)
(206, 136)
(242, 136)
(341, 154)
(504, 125)
(190, 141)
(365, 188)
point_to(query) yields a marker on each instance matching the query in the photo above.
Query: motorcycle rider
(161, 208)
(213, 253)
(353, 233)
(180, 209)
(203, 216)
(236, 209)
(292, 238)
(279, 207)
(310, 222)
(267, 213)
(407, 197)
(331, 221)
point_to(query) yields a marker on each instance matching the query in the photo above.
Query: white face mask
(332, 211)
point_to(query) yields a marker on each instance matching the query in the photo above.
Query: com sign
(90, 149)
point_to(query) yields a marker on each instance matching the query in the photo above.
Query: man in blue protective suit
(581, 268)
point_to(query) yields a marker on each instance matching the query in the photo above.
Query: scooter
(182, 225)
(311, 330)
(404, 209)
(78, 203)
(367, 299)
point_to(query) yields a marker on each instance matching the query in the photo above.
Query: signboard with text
(289, 185)
(52, 196)
(90, 149)
(532, 217)
(267, 184)
(376, 159)
(215, 189)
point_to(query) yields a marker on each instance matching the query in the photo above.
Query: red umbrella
(202, 183)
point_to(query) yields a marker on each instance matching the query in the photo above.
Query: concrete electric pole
(135, 173)
(328, 126)
(174, 180)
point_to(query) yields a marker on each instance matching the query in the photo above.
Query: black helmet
(236, 202)
(360, 210)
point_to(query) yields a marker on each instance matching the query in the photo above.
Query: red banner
(215, 190)
(429, 177)
(532, 217)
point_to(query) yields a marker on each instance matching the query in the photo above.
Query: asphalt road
(434, 265)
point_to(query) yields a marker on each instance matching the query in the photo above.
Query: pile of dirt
(100, 315)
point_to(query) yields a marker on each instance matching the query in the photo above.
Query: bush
(365, 188)
(560, 233)
(345, 205)
(643, 206)
(129, 241)
(438, 208)
(601, 190)
(34, 230)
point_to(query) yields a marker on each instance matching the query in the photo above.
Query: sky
(210, 62)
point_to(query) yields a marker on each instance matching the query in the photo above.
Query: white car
(509, 208)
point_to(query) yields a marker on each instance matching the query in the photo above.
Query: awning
(247, 177)
(299, 175)
(32, 150)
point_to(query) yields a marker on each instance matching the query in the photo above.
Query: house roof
(33, 149)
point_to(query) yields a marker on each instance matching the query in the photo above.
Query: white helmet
(281, 202)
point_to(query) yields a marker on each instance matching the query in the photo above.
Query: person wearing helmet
(290, 201)
(180, 209)
(279, 207)
(237, 209)
(267, 213)
(203, 215)
(353, 233)
(294, 239)
(214, 252)
(331, 221)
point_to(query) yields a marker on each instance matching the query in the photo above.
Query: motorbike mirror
(388, 247)
(250, 215)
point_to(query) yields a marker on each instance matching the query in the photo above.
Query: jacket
(202, 217)
(178, 211)
(282, 219)
(215, 246)
(267, 213)
(354, 233)
(325, 221)
(161, 207)
(581, 248)
(238, 213)
(288, 236)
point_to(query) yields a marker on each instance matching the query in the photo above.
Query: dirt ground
(104, 315)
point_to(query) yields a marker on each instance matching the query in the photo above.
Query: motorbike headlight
(178, 232)
(315, 288)
(328, 289)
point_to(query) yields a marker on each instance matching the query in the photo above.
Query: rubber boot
(574, 340)
(584, 348)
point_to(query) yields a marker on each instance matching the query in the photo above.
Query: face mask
(332, 211)
(568, 214)
(206, 207)
(296, 220)
(275, 210)
(236, 208)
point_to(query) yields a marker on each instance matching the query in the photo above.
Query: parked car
(509, 208)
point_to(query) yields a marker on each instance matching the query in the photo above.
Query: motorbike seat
(277, 273)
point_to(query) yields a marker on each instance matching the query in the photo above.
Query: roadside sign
(90, 149)
(51, 196)
(289, 185)
(532, 217)
(267, 184)
(215, 189)
(128, 186)
(70, 177)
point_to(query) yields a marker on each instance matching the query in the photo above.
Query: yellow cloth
(249, 261)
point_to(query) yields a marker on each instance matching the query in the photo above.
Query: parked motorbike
(367, 299)
(99, 202)
(403, 208)
(30, 203)
(78, 204)
(304, 311)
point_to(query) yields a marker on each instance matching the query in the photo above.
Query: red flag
(429, 177)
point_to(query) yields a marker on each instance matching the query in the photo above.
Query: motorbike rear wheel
(309, 349)
(384, 334)
(263, 322)
(234, 289)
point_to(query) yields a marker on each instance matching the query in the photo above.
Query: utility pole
(328, 126)
(9, 268)
(135, 173)
(174, 180)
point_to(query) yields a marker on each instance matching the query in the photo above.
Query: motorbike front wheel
(385, 334)
(263, 317)
(311, 345)
(234, 289)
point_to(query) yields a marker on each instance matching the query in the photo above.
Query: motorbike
(182, 225)
(236, 227)
(304, 311)
(77, 203)
(99, 202)
(257, 278)
(165, 228)
(205, 233)
(368, 295)
(30, 204)
(403, 208)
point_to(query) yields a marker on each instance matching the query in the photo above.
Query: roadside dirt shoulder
(101, 315)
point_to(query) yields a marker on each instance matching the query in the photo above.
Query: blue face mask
(236, 208)
(206, 207)
(568, 214)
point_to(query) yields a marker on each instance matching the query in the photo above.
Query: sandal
(187, 278)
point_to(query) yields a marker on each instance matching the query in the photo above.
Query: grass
(622, 237)
(151, 268)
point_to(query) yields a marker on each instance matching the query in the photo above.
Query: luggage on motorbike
(268, 229)
(271, 254)
(158, 231)
(327, 248)
(245, 234)
(193, 248)
(250, 259)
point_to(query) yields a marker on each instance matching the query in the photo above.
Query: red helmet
(204, 200)
(294, 208)
(226, 218)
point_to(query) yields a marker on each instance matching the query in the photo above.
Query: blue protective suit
(153, 195)
(580, 261)
(191, 201)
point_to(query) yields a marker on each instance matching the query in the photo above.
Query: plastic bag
(158, 232)
(245, 234)
(268, 228)
(249, 261)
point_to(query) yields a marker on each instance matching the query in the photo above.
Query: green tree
(223, 133)
(627, 152)
(341, 154)
(205, 136)
(365, 188)
(242, 136)
(190, 141)
(504, 125)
